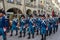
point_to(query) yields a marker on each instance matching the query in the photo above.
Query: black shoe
(33, 36)
(41, 39)
(24, 34)
(37, 33)
(11, 35)
(4, 39)
(16, 34)
(20, 35)
(49, 34)
(28, 37)
(54, 32)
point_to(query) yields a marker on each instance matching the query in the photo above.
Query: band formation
(30, 25)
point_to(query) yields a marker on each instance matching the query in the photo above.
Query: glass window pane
(11, 1)
(18, 1)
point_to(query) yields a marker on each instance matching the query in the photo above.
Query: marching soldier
(22, 26)
(49, 26)
(2, 25)
(14, 26)
(53, 21)
(43, 28)
(31, 27)
(48, 23)
(38, 22)
(56, 23)
(7, 24)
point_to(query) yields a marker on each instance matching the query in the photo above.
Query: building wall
(21, 7)
(1, 4)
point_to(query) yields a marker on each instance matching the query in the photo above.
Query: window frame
(9, 1)
(19, 2)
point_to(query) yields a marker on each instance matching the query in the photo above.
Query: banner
(53, 13)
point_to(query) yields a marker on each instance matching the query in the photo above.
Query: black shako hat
(22, 16)
(31, 15)
(2, 11)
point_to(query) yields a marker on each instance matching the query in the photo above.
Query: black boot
(41, 37)
(11, 33)
(32, 35)
(54, 31)
(5, 39)
(34, 29)
(47, 33)
(44, 37)
(16, 33)
(24, 32)
(37, 32)
(57, 28)
(20, 35)
(28, 35)
(51, 31)
(5, 33)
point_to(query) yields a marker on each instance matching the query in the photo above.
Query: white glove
(33, 26)
(46, 28)
(4, 29)
(24, 27)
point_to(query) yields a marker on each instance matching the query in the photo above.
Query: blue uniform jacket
(43, 27)
(14, 22)
(7, 22)
(38, 22)
(2, 22)
(22, 22)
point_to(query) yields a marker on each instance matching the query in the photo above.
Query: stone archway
(15, 11)
(28, 12)
(35, 12)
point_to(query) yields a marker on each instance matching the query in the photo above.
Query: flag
(52, 13)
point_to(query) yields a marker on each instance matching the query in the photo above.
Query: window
(18, 2)
(11, 1)
(32, 0)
